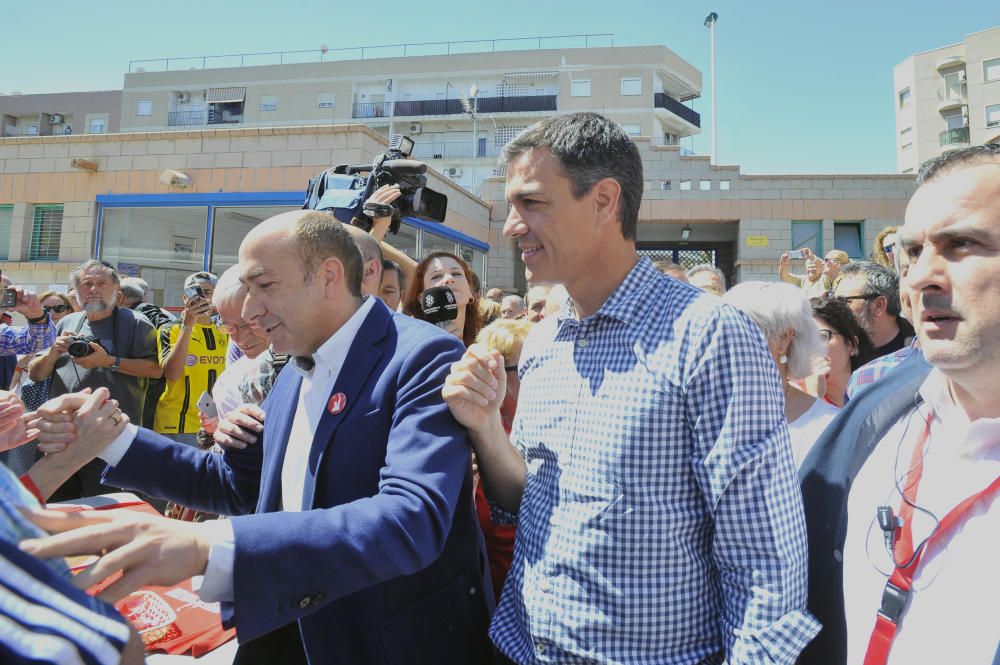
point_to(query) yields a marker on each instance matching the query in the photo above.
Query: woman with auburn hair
(879, 254)
(446, 269)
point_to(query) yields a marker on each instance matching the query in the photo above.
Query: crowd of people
(627, 463)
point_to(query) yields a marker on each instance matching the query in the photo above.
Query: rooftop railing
(324, 54)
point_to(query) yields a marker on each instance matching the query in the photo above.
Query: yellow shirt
(177, 411)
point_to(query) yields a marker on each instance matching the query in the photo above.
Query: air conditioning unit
(56, 118)
(183, 97)
(415, 128)
(453, 172)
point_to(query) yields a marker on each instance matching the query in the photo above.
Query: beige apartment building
(947, 98)
(60, 113)
(204, 154)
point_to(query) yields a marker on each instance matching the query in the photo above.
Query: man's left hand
(99, 358)
(148, 549)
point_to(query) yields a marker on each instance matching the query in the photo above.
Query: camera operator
(38, 334)
(104, 345)
(193, 354)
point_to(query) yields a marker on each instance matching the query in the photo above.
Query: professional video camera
(344, 189)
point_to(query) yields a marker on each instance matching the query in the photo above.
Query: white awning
(223, 95)
(531, 75)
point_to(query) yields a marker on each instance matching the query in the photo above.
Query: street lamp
(710, 21)
(470, 104)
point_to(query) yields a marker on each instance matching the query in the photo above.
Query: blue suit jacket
(382, 564)
(827, 473)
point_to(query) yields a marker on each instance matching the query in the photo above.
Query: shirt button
(540, 648)
(544, 586)
(838, 555)
(304, 602)
(472, 591)
(582, 342)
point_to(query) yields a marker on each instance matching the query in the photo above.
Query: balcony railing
(185, 118)
(425, 107)
(954, 136)
(456, 150)
(664, 101)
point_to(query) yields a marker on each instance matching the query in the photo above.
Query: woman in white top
(785, 317)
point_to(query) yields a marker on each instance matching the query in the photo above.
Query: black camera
(344, 189)
(79, 346)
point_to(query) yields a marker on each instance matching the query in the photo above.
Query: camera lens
(79, 348)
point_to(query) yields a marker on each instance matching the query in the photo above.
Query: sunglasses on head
(58, 309)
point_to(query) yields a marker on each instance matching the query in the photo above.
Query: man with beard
(814, 283)
(872, 293)
(121, 357)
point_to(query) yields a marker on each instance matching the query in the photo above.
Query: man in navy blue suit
(364, 530)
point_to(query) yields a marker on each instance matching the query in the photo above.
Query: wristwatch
(118, 361)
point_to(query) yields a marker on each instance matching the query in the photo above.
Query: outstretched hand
(475, 387)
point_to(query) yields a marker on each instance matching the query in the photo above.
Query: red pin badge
(337, 403)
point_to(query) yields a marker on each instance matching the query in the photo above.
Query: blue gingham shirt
(31, 338)
(661, 520)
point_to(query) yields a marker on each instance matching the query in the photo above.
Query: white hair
(229, 289)
(707, 267)
(776, 307)
(516, 299)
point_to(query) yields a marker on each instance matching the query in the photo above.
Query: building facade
(947, 98)
(60, 113)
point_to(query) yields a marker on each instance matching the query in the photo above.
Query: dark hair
(411, 303)
(392, 266)
(74, 276)
(589, 148)
(319, 236)
(879, 281)
(840, 316)
(943, 164)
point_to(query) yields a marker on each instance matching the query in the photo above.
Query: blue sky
(804, 87)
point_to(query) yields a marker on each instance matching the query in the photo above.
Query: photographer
(193, 354)
(104, 345)
(38, 334)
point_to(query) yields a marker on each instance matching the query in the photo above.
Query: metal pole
(710, 24)
(475, 138)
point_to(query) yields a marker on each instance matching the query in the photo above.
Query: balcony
(954, 138)
(455, 150)
(664, 101)
(951, 97)
(950, 61)
(202, 117)
(426, 107)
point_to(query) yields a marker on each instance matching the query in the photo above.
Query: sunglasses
(845, 299)
(58, 309)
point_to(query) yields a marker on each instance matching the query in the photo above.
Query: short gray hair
(707, 267)
(134, 289)
(516, 299)
(879, 281)
(74, 277)
(776, 307)
(229, 289)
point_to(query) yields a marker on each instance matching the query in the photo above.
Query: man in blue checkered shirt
(648, 469)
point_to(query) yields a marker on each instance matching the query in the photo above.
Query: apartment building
(60, 113)
(947, 98)
(460, 109)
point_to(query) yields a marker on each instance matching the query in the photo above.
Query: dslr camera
(343, 189)
(79, 346)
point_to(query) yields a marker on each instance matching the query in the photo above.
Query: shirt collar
(977, 437)
(333, 352)
(627, 297)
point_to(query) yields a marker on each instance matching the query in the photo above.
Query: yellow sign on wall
(757, 241)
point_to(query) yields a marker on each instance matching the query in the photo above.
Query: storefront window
(433, 243)
(161, 245)
(230, 226)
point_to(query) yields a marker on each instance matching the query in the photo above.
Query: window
(144, 108)
(632, 130)
(432, 243)
(45, 233)
(324, 100)
(268, 102)
(97, 126)
(993, 115)
(955, 120)
(724, 185)
(631, 86)
(705, 185)
(808, 234)
(906, 131)
(685, 185)
(6, 214)
(906, 146)
(991, 70)
(904, 97)
(579, 88)
(847, 236)
(665, 185)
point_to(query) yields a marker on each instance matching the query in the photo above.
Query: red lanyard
(896, 595)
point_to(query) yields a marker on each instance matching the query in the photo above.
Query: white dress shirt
(952, 616)
(317, 384)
